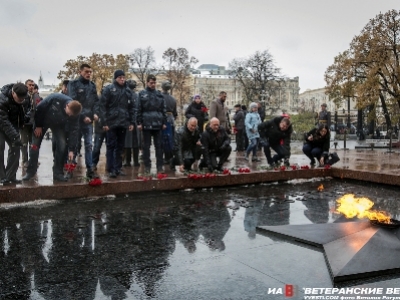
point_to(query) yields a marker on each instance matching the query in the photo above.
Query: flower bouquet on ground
(95, 181)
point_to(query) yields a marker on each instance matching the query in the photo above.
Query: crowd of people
(131, 122)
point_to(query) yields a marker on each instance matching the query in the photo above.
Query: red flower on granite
(95, 182)
(327, 166)
(244, 170)
(161, 176)
(306, 167)
(282, 168)
(226, 172)
(294, 167)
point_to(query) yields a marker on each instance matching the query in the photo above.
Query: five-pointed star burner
(352, 250)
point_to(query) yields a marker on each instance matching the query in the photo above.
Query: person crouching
(317, 144)
(56, 112)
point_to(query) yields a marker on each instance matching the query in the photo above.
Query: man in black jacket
(216, 144)
(187, 145)
(12, 116)
(275, 134)
(56, 112)
(29, 107)
(168, 133)
(151, 119)
(84, 91)
(117, 113)
(239, 125)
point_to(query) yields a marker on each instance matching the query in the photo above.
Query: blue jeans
(60, 143)
(157, 138)
(87, 133)
(98, 142)
(115, 146)
(279, 149)
(312, 152)
(252, 147)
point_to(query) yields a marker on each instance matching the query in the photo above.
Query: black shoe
(127, 165)
(90, 174)
(10, 181)
(160, 170)
(60, 178)
(27, 176)
(120, 173)
(312, 163)
(112, 175)
(236, 150)
(219, 168)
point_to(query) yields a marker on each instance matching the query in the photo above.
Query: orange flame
(320, 188)
(352, 207)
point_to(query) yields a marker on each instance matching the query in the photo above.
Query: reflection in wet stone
(156, 246)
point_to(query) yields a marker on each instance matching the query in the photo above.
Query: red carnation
(327, 166)
(226, 172)
(95, 182)
(204, 109)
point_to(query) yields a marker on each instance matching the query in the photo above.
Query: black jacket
(85, 92)
(185, 141)
(318, 141)
(151, 109)
(195, 110)
(239, 118)
(214, 141)
(11, 114)
(270, 131)
(117, 106)
(50, 113)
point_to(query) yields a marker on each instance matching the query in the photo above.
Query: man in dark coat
(168, 133)
(216, 144)
(151, 119)
(117, 112)
(84, 91)
(275, 134)
(56, 112)
(324, 116)
(29, 107)
(132, 138)
(187, 145)
(240, 129)
(198, 110)
(12, 97)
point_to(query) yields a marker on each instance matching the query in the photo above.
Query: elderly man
(187, 145)
(219, 110)
(216, 144)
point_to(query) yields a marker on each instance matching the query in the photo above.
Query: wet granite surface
(197, 244)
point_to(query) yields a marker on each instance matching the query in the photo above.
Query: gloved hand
(210, 168)
(17, 143)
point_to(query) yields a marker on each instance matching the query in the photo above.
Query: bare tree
(177, 70)
(257, 75)
(143, 63)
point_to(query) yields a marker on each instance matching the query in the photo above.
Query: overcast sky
(302, 35)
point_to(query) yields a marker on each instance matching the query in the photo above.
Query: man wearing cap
(152, 119)
(117, 113)
(84, 91)
(12, 96)
(324, 116)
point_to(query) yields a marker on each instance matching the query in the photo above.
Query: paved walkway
(378, 165)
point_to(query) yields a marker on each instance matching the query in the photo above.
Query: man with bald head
(187, 146)
(216, 146)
